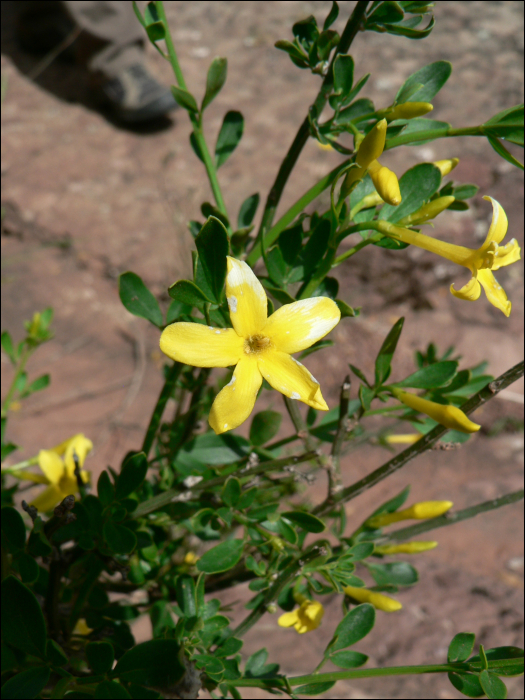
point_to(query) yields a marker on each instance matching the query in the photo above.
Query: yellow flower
(81, 628)
(409, 110)
(419, 511)
(385, 181)
(257, 345)
(305, 618)
(451, 417)
(58, 467)
(405, 548)
(378, 600)
(408, 439)
(480, 262)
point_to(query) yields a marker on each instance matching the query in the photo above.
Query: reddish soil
(85, 200)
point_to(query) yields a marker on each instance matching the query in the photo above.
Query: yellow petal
(51, 465)
(81, 445)
(291, 378)
(446, 166)
(29, 476)
(288, 619)
(235, 402)
(494, 291)
(506, 254)
(470, 292)
(246, 299)
(201, 346)
(48, 499)
(499, 225)
(295, 327)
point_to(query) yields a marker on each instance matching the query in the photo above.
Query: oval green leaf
(308, 522)
(138, 299)
(222, 557)
(22, 618)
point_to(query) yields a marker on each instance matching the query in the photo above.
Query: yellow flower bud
(190, 558)
(427, 211)
(449, 416)
(405, 548)
(408, 439)
(410, 110)
(378, 600)
(446, 166)
(419, 511)
(81, 628)
(385, 182)
(371, 200)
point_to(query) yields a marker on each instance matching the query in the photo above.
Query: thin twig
(334, 471)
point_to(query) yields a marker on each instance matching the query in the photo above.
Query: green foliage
(190, 512)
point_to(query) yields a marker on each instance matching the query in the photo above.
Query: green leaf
(265, 425)
(460, 648)
(55, 654)
(308, 522)
(431, 78)
(22, 618)
(229, 136)
(493, 686)
(119, 538)
(186, 595)
(404, 29)
(415, 126)
(346, 310)
(231, 492)
(100, 657)
(355, 625)
(138, 300)
(394, 503)
(105, 489)
(386, 353)
(502, 151)
(465, 191)
(222, 557)
(13, 529)
(311, 689)
(417, 186)
(332, 16)
(298, 57)
(37, 385)
(231, 646)
(430, 377)
(188, 293)
(176, 309)
(184, 99)
(196, 147)
(507, 125)
(256, 666)
(215, 80)
(107, 690)
(386, 12)
(343, 74)
(27, 684)
(316, 245)
(467, 683)
(28, 568)
(153, 663)
(132, 474)
(357, 109)
(348, 659)
(247, 210)
(399, 573)
(214, 449)
(7, 346)
(213, 247)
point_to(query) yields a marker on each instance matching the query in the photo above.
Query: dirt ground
(86, 200)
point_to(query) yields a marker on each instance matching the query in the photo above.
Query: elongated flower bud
(385, 182)
(372, 145)
(410, 110)
(378, 600)
(371, 200)
(419, 511)
(427, 212)
(449, 416)
(405, 548)
(446, 166)
(408, 439)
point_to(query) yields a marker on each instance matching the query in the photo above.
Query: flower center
(256, 344)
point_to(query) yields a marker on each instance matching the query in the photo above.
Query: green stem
(334, 474)
(451, 518)
(274, 196)
(432, 135)
(420, 446)
(165, 394)
(358, 673)
(352, 251)
(196, 120)
(21, 366)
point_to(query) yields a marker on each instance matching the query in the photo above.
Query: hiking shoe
(135, 96)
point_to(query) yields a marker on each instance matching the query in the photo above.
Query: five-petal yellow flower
(58, 467)
(481, 262)
(305, 618)
(257, 345)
